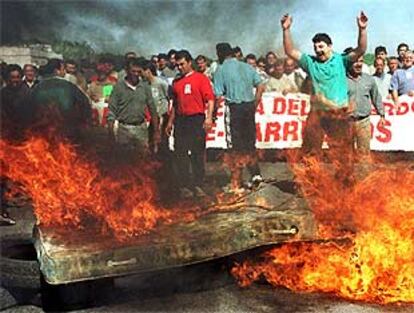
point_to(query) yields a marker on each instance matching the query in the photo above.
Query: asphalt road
(202, 288)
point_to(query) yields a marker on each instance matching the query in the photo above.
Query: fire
(374, 258)
(235, 162)
(68, 190)
(70, 186)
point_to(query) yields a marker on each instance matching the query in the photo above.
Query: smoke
(145, 26)
(150, 27)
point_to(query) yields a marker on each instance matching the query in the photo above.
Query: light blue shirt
(403, 81)
(235, 81)
(329, 77)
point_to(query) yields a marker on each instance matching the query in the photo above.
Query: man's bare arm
(394, 95)
(208, 123)
(290, 50)
(362, 21)
(259, 92)
(170, 123)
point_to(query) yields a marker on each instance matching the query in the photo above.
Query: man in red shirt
(191, 92)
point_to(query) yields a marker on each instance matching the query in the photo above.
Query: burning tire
(18, 264)
(73, 296)
(20, 273)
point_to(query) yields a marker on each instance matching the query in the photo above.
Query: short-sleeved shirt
(364, 92)
(159, 88)
(191, 92)
(403, 81)
(235, 81)
(328, 78)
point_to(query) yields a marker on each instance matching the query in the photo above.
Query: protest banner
(281, 119)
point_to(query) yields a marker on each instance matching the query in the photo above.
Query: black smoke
(145, 26)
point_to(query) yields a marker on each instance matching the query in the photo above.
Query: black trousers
(242, 128)
(190, 148)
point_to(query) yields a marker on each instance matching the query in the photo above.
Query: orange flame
(70, 191)
(375, 263)
(235, 162)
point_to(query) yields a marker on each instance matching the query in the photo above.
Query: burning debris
(110, 222)
(113, 193)
(373, 261)
(374, 264)
(68, 190)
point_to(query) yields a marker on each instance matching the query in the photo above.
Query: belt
(238, 103)
(131, 124)
(359, 118)
(192, 115)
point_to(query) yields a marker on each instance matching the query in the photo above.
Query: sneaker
(254, 182)
(186, 193)
(198, 192)
(257, 179)
(6, 220)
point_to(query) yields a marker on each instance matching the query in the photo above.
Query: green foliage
(369, 58)
(118, 59)
(81, 50)
(73, 50)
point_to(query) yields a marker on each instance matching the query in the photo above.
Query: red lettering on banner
(386, 134)
(211, 134)
(260, 108)
(293, 107)
(290, 128)
(259, 136)
(272, 130)
(388, 108)
(279, 105)
(403, 108)
(304, 108)
(220, 108)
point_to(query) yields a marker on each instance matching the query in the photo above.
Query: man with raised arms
(329, 99)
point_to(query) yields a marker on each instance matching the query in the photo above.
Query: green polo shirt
(328, 78)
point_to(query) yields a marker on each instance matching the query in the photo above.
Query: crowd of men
(141, 117)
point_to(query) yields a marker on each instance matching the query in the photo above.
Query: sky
(154, 26)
